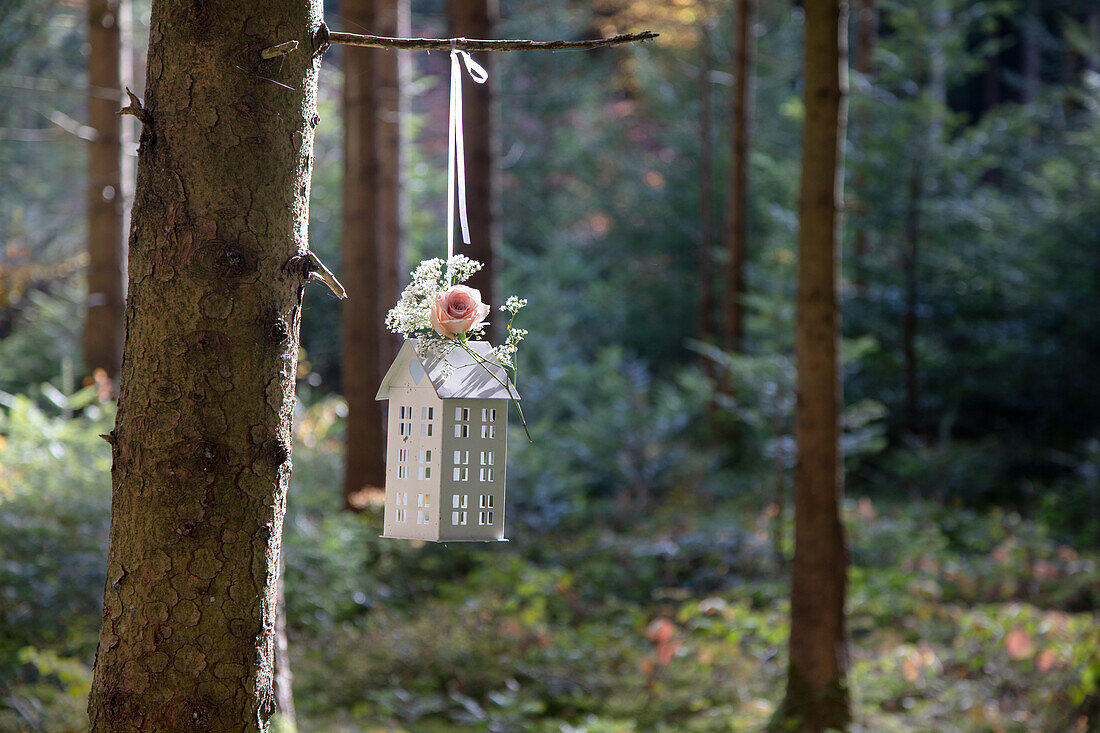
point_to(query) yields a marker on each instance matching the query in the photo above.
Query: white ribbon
(456, 157)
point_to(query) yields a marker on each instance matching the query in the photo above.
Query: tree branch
(473, 44)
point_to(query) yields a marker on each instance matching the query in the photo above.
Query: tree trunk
(476, 19)
(868, 35)
(285, 719)
(128, 56)
(391, 72)
(1092, 59)
(1033, 53)
(202, 442)
(102, 338)
(909, 326)
(737, 217)
(817, 696)
(362, 323)
(991, 79)
(706, 192)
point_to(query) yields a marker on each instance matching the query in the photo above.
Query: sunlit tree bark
(201, 445)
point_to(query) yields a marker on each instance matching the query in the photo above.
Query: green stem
(487, 364)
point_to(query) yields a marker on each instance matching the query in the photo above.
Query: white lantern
(446, 445)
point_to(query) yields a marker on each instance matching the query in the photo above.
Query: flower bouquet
(442, 314)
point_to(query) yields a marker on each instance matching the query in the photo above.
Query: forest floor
(669, 619)
(676, 620)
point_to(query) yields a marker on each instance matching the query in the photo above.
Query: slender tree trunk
(737, 216)
(362, 323)
(1092, 59)
(1033, 54)
(202, 442)
(476, 19)
(779, 489)
(991, 79)
(285, 719)
(102, 339)
(868, 35)
(706, 191)
(391, 72)
(817, 696)
(909, 326)
(937, 75)
(129, 123)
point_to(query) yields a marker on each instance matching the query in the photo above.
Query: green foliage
(54, 518)
(587, 628)
(45, 342)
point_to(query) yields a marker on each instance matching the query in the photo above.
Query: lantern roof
(457, 375)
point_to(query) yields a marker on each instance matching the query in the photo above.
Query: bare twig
(474, 44)
(316, 270)
(136, 109)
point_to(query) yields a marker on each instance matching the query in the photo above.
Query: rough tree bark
(817, 696)
(102, 337)
(738, 215)
(476, 19)
(361, 326)
(202, 442)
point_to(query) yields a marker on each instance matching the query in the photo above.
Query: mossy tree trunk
(202, 442)
(102, 337)
(817, 697)
(477, 19)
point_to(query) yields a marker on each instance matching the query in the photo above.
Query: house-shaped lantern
(445, 451)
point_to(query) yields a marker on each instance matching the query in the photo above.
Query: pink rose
(457, 311)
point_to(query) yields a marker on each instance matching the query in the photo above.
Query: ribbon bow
(456, 158)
